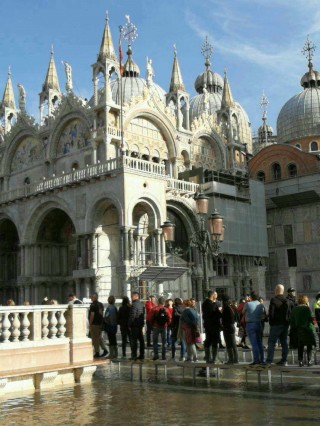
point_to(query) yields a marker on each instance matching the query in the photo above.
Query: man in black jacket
(211, 315)
(279, 316)
(291, 298)
(136, 323)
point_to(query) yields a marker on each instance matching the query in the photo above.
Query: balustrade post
(25, 324)
(15, 327)
(61, 325)
(45, 323)
(6, 327)
(52, 325)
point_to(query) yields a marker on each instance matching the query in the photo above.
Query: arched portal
(107, 247)
(143, 220)
(54, 256)
(9, 260)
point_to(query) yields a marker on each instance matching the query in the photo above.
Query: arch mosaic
(28, 152)
(73, 137)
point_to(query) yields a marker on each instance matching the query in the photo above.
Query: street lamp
(204, 241)
(168, 229)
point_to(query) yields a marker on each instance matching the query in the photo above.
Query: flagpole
(121, 97)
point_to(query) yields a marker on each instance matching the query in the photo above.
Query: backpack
(161, 317)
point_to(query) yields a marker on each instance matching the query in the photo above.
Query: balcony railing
(182, 186)
(113, 165)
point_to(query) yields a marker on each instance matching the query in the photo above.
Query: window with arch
(261, 176)
(314, 146)
(276, 171)
(292, 170)
(221, 266)
(298, 146)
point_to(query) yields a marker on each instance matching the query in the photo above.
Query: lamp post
(168, 229)
(204, 241)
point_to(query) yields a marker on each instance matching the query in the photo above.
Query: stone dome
(210, 80)
(245, 134)
(300, 115)
(198, 105)
(134, 86)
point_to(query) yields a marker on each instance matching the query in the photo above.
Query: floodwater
(113, 399)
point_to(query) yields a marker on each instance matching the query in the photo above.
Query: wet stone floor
(113, 399)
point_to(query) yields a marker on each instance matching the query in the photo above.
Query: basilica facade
(288, 163)
(85, 190)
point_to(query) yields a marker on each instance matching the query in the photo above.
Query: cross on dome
(308, 51)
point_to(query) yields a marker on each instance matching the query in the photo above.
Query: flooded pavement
(113, 399)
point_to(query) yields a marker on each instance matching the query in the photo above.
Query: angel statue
(68, 71)
(22, 97)
(150, 71)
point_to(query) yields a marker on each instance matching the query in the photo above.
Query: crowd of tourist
(178, 321)
(169, 323)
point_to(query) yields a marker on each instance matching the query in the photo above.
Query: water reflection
(118, 401)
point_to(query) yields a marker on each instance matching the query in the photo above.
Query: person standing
(291, 298)
(211, 315)
(253, 311)
(316, 309)
(301, 323)
(111, 326)
(190, 329)
(96, 324)
(150, 304)
(123, 321)
(159, 318)
(169, 306)
(175, 322)
(279, 316)
(229, 330)
(136, 323)
(73, 300)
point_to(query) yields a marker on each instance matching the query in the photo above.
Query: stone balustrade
(182, 186)
(144, 166)
(81, 175)
(30, 323)
(35, 336)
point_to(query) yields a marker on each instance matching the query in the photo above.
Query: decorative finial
(175, 49)
(9, 70)
(52, 52)
(207, 50)
(308, 51)
(264, 105)
(225, 72)
(107, 15)
(128, 31)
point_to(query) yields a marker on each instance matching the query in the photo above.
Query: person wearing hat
(291, 298)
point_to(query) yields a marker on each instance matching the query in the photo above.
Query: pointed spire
(106, 48)
(51, 81)
(227, 99)
(8, 95)
(176, 77)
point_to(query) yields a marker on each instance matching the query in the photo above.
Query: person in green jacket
(316, 309)
(301, 323)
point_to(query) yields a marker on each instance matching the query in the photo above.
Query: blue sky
(259, 42)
